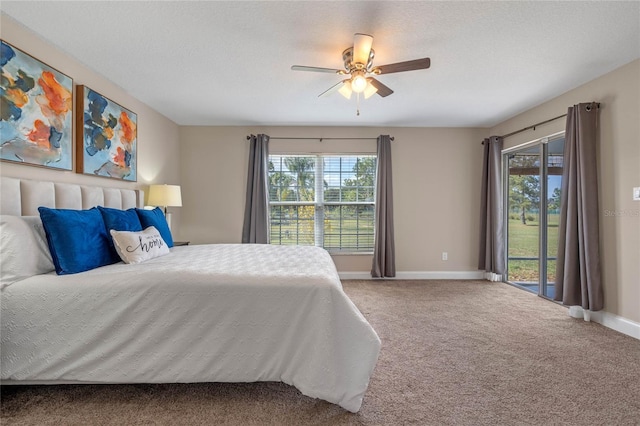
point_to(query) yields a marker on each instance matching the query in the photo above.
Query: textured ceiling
(228, 63)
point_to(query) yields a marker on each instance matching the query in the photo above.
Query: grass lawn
(354, 234)
(524, 242)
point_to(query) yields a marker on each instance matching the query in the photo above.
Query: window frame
(319, 203)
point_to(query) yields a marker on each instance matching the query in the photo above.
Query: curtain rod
(322, 139)
(533, 126)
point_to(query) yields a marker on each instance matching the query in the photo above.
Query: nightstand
(181, 243)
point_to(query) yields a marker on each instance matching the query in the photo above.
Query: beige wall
(436, 173)
(619, 171)
(435, 180)
(158, 147)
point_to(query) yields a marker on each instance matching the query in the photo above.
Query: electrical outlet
(636, 193)
(445, 256)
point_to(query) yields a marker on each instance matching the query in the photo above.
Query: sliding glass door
(554, 156)
(533, 178)
(523, 233)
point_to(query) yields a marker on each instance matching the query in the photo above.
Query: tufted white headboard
(22, 197)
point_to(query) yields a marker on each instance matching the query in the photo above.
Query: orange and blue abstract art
(36, 104)
(109, 136)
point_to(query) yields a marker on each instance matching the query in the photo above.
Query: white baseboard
(418, 275)
(609, 320)
(440, 275)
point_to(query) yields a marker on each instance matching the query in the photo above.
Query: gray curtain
(256, 208)
(491, 257)
(578, 280)
(384, 252)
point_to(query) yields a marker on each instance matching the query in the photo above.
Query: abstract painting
(36, 104)
(109, 137)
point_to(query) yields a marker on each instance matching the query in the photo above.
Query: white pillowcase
(136, 247)
(23, 249)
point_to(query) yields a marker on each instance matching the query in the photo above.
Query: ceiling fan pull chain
(358, 104)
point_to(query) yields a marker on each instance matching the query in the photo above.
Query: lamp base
(168, 217)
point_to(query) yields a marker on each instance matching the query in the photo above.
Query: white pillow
(24, 251)
(136, 247)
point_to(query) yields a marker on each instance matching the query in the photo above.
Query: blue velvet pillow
(120, 220)
(77, 239)
(156, 218)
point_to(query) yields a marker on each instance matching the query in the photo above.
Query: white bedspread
(204, 313)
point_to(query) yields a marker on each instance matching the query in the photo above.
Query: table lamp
(165, 196)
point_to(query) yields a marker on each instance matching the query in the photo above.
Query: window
(323, 200)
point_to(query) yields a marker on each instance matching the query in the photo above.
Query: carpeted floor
(453, 353)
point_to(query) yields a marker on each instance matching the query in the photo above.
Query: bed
(202, 313)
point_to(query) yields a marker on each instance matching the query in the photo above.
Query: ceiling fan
(358, 63)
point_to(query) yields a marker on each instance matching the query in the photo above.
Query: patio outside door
(533, 180)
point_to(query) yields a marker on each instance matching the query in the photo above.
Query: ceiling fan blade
(316, 69)
(416, 64)
(383, 90)
(362, 48)
(332, 89)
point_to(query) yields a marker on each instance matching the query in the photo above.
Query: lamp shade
(345, 89)
(362, 48)
(165, 195)
(370, 90)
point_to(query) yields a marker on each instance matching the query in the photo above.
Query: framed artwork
(108, 137)
(36, 110)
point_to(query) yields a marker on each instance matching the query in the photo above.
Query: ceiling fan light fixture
(358, 82)
(345, 90)
(362, 48)
(370, 90)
